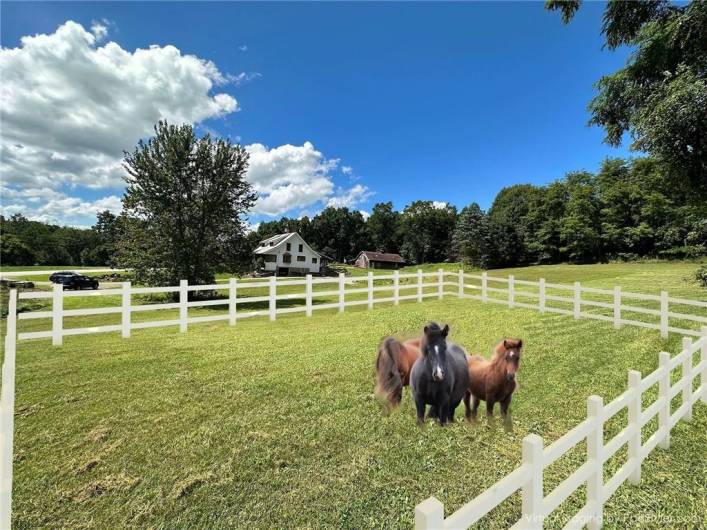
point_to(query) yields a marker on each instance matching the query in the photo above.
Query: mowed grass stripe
(275, 425)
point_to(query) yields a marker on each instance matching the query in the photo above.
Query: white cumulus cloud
(69, 107)
(295, 176)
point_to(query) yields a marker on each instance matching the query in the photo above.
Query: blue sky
(447, 102)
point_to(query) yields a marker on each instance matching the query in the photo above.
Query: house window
(301, 258)
(314, 260)
(301, 248)
(289, 246)
(269, 258)
(286, 258)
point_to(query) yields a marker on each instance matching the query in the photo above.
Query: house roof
(273, 244)
(382, 256)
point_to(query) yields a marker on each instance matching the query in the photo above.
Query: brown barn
(378, 260)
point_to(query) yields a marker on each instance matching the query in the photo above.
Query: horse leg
(467, 407)
(489, 406)
(505, 402)
(420, 404)
(433, 413)
(443, 409)
(476, 403)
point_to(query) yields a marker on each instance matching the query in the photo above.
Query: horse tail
(389, 384)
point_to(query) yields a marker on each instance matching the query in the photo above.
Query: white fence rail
(515, 293)
(528, 478)
(419, 285)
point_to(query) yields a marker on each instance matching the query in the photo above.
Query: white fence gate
(422, 285)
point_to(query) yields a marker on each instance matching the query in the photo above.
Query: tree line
(628, 210)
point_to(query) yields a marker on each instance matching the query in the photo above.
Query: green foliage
(426, 232)
(384, 228)
(660, 96)
(471, 242)
(183, 207)
(339, 233)
(701, 276)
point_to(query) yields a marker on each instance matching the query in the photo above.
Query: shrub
(701, 276)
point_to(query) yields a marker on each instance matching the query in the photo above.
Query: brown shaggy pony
(393, 366)
(494, 380)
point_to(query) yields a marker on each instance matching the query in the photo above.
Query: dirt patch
(186, 486)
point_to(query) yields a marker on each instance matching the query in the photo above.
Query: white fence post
(396, 287)
(595, 452)
(126, 310)
(232, 301)
(272, 298)
(308, 296)
(617, 307)
(7, 412)
(703, 359)
(663, 390)
(429, 515)
(183, 308)
(370, 290)
(461, 283)
(686, 378)
(664, 314)
(577, 300)
(511, 290)
(484, 287)
(419, 285)
(57, 314)
(440, 292)
(342, 292)
(634, 420)
(532, 490)
(541, 295)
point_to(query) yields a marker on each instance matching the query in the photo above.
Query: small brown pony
(494, 380)
(393, 366)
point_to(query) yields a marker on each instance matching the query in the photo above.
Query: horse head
(434, 349)
(508, 352)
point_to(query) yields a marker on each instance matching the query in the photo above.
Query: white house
(286, 254)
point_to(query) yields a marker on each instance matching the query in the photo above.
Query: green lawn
(269, 425)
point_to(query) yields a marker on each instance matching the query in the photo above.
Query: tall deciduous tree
(471, 237)
(660, 96)
(384, 227)
(426, 230)
(184, 206)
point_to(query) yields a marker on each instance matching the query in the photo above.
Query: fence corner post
(577, 300)
(308, 295)
(419, 285)
(342, 292)
(686, 377)
(617, 307)
(532, 490)
(396, 287)
(634, 420)
(595, 452)
(57, 314)
(703, 359)
(183, 307)
(232, 301)
(272, 297)
(664, 308)
(484, 286)
(370, 290)
(440, 293)
(663, 392)
(429, 515)
(511, 290)
(125, 324)
(461, 283)
(7, 417)
(541, 295)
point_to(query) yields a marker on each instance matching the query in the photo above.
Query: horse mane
(389, 385)
(432, 329)
(499, 351)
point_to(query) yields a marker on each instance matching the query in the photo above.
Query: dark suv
(54, 277)
(77, 281)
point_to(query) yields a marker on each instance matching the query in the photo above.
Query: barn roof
(382, 256)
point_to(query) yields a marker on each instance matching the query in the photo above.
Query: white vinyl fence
(528, 478)
(395, 288)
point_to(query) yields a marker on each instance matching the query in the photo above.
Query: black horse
(439, 378)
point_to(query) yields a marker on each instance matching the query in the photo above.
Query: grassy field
(270, 425)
